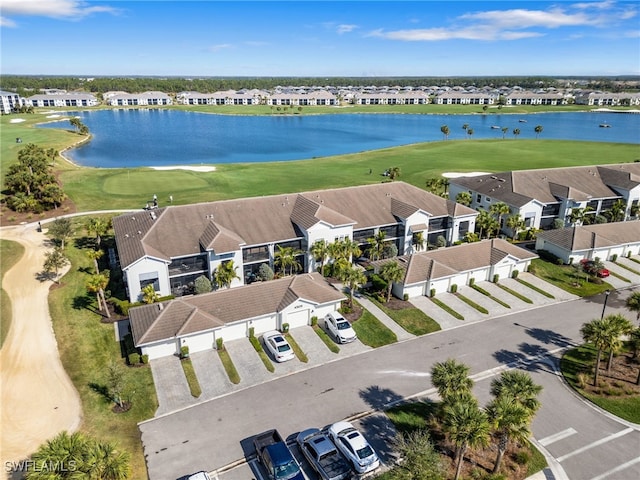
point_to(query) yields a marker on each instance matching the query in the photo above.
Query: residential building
(62, 100)
(9, 101)
(436, 271)
(170, 247)
(531, 98)
(161, 329)
(453, 97)
(117, 99)
(542, 196)
(602, 241)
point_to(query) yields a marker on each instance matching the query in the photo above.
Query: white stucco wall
(324, 231)
(199, 342)
(147, 265)
(160, 349)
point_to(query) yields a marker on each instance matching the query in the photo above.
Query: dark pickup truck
(276, 457)
(323, 455)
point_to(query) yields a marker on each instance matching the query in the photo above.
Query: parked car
(278, 346)
(354, 446)
(323, 455)
(591, 267)
(199, 476)
(339, 327)
(276, 457)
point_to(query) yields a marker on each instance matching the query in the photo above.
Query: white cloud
(67, 9)
(344, 28)
(518, 23)
(6, 22)
(219, 47)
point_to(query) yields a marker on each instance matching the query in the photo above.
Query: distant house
(9, 102)
(170, 247)
(117, 99)
(531, 98)
(602, 241)
(542, 196)
(161, 329)
(608, 99)
(62, 100)
(453, 97)
(438, 270)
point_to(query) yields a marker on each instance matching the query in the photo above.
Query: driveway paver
(441, 316)
(211, 374)
(247, 362)
(171, 385)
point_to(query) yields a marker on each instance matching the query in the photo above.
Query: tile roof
(186, 315)
(186, 230)
(519, 187)
(448, 261)
(586, 237)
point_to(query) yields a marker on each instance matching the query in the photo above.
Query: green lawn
(372, 331)
(412, 319)
(229, 367)
(86, 346)
(580, 360)
(10, 253)
(565, 277)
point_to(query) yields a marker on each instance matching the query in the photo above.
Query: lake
(153, 137)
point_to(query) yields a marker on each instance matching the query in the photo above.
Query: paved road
(219, 432)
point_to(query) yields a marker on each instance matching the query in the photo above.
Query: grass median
(192, 378)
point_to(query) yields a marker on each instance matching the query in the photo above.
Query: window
(440, 223)
(254, 254)
(150, 278)
(478, 198)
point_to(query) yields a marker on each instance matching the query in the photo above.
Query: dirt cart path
(38, 399)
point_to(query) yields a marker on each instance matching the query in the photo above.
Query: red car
(590, 267)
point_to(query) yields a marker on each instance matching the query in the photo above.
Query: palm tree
(504, 132)
(418, 240)
(499, 209)
(515, 223)
(394, 173)
(96, 284)
(445, 131)
(618, 325)
(451, 379)
(538, 130)
(286, 259)
(519, 386)
(516, 132)
(510, 421)
(633, 304)
(320, 252)
(376, 245)
(617, 211)
(464, 198)
(576, 217)
(225, 274)
(486, 223)
(149, 294)
(61, 229)
(596, 332)
(99, 227)
(466, 426)
(107, 463)
(354, 278)
(391, 272)
(465, 127)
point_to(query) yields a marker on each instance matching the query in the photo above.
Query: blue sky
(326, 38)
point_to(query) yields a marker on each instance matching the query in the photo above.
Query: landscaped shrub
(285, 327)
(377, 283)
(550, 257)
(265, 273)
(314, 321)
(454, 288)
(405, 297)
(522, 457)
(121, 307)
(144, 359)
(570, 260)
(514, 274)
(219, 345)
(252, 332)
(441, 241)
(496, 278)
(184, 351)
(629, 254)
(432, 292)
(614, 257)
(472, 281)
(134, 358)
(202, 285)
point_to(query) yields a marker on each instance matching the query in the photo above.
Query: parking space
(628, 273)
(171, 385)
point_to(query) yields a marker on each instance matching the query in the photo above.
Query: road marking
(595, 444)
(557, 437)
(617, 469)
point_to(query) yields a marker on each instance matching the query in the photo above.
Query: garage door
(159, 350)
(298, 318)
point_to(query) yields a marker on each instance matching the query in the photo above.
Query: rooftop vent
(153, 215)
(139, 232)
(160, 306)
(494, 177)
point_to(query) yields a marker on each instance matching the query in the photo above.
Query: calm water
(133, 138)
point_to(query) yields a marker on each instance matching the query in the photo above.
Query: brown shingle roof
(151, 323)
(586, 237)
(185, 230)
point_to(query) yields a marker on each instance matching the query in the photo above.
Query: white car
(354, 446)
(199, 476)
(278, 346)
(340, 327)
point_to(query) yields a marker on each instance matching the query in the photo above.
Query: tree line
(28, 85)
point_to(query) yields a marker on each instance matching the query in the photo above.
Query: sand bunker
(186, 167)
(54, 116)
(16, 120)
(467, 174)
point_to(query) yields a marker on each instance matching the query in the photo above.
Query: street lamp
(604, 306)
